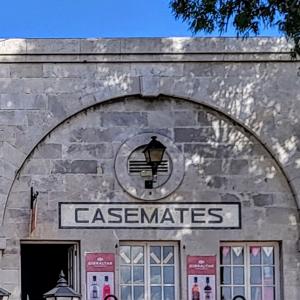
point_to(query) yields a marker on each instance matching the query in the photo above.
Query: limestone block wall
(239, 135)
(222, 163)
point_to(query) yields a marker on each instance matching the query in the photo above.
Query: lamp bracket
(33, 197)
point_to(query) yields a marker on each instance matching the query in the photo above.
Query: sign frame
(154, 204)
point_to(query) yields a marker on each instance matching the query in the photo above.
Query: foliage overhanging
(247, 17)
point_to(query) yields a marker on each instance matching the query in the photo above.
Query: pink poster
(100, 268)
(201, 271)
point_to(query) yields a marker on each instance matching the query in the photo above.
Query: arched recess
(225, 115)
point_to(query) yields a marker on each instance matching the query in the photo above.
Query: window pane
(168, 275)
(256, 293)
(237, 255)
(225, 255)
(138, 293)
(268, 255)
(225, 275)
(155, 275)
(268, 275)
(238, 291)
(255, 255)
(138, 275)
(255, 275)
(237, 260)
(126, 293)
(125, 254)
(269, 293)
(226, 293)
(138, 255)
(155, 255)
(238, 275)
(150, 277)
(169, 293)
(155, 293)
(125, 274)
(168, 255)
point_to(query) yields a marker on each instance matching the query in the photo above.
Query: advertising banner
(201, 272)
(100, 268)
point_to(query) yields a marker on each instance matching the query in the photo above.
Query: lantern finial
(62, 281)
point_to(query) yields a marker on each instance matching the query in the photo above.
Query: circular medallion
(135, 175)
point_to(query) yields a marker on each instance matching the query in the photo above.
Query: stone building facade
(75, 117)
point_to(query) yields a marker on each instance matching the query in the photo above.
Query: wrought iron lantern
(4, 295)
(62, 291)
(154, 153)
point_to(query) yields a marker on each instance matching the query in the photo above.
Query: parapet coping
(144, 49)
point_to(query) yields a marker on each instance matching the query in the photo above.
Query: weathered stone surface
(88, 151)
(37, 167)
(12, 154)
(184, 118)
(12, 117)
(103, 46)
(161, 119)
(26, 70)
(22, 101)
(238, 166)
(263, 200)
(48, 151)
(4, 71)
(150, 86)
(124, 119)
(96, 135)
(215, 92)
(69, 70)
(74, 166)
(13, 46)
(189, 135)
(48, 46)
(279, 215)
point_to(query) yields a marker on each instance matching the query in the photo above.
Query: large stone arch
(263, 221)
(225, 114)
(93, 100)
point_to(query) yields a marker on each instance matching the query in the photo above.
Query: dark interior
(40, 268)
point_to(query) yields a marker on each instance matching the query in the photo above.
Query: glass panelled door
(148, 271)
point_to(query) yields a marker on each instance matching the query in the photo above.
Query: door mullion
(147, 272)
(247, 271)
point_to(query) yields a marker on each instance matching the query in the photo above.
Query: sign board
(100, 268)
(192, 215)
(201, 271)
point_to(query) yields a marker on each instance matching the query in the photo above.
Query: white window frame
(247, 246)
(147, 283)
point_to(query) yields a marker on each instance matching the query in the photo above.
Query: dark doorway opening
(40, 268)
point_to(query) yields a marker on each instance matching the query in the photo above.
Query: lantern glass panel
(147, 156)
(156, 155)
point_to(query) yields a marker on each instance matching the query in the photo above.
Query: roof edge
(172, 45)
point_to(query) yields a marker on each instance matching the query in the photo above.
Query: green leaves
(246, 16)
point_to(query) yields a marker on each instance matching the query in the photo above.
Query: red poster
(201, 271)
(100, 268)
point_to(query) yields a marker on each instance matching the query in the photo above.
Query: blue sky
(91, 18)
